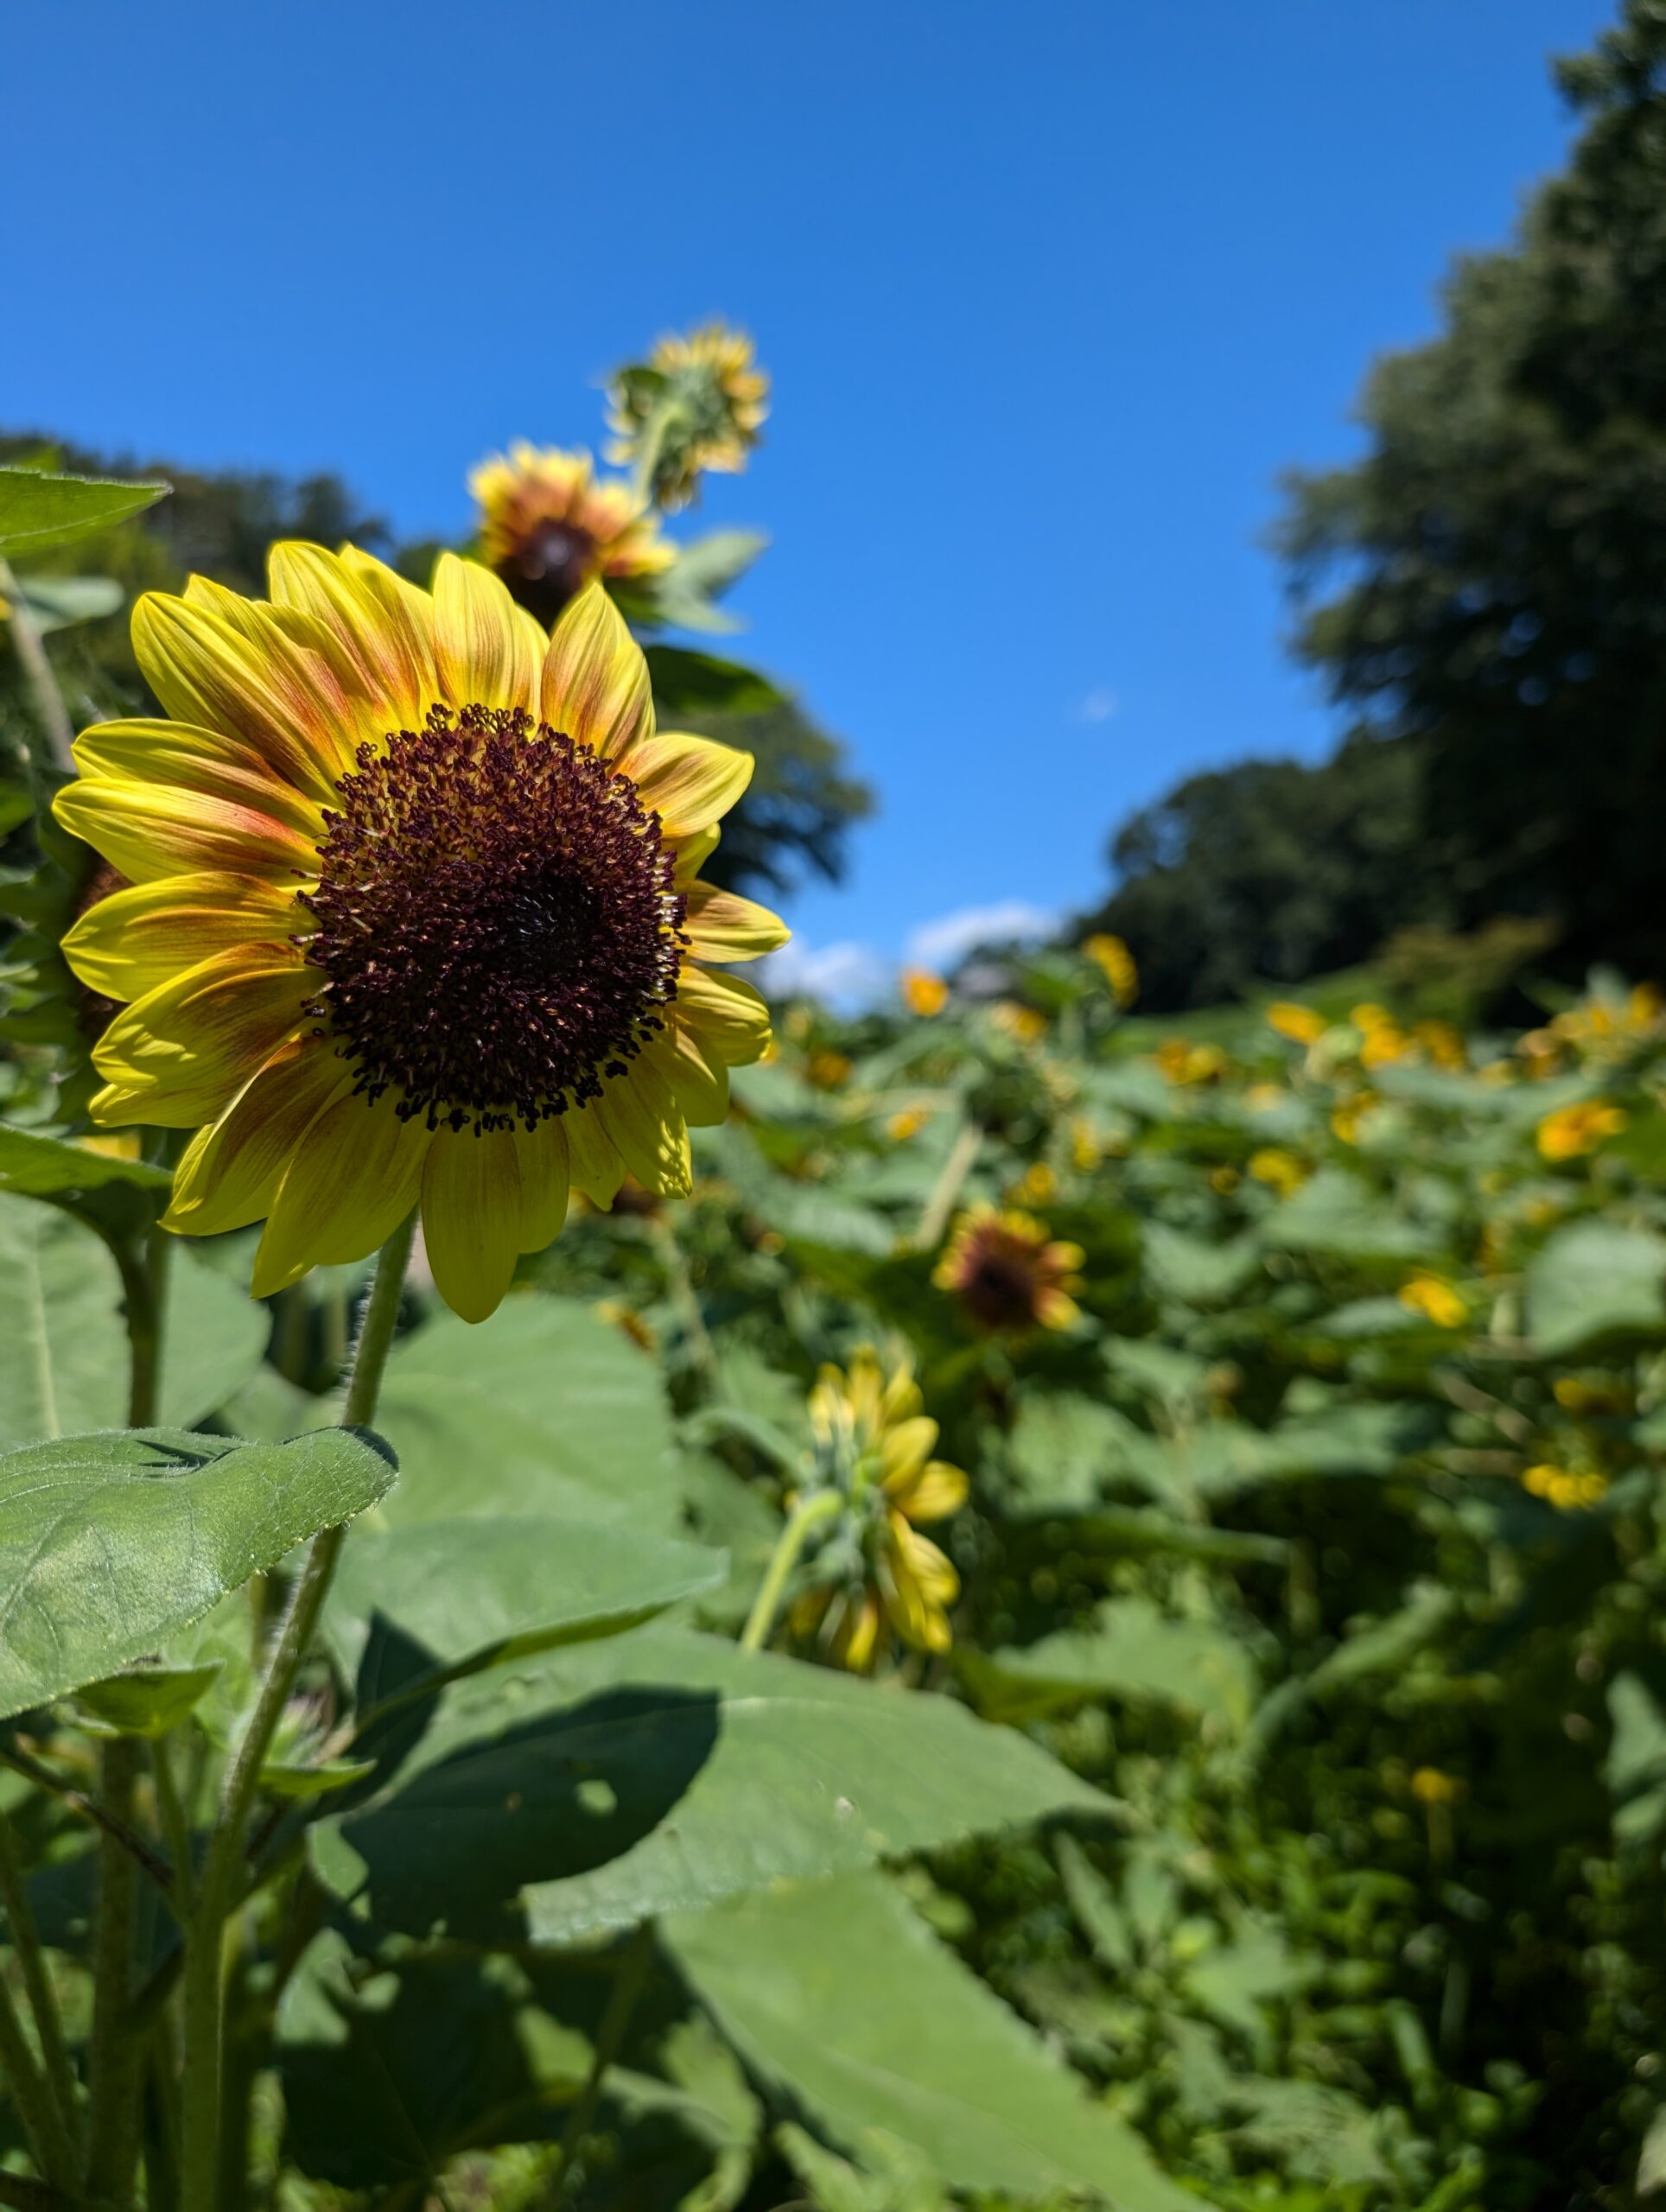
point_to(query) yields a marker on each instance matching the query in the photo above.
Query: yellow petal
(185, 1050)
(724, 926)
(484, 656)
(472, 1218)
(689, 782)
(230, 1171)
(152, 830)
(135, 940)
(595, 682)
(372, 641)
(729, 1020)
(200, 761)
(596, 1167)
(541, 1155)
(251, 681)
(906, 1447)
(935, 1493)
(352, 1179)
(700, 1084)
(692, 854)
(407, 614)
(640, 1114)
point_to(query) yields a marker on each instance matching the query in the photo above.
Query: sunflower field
(617, 1596)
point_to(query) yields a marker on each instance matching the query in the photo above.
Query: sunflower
(1008, 1273)
(872, 1443)
(548, 527)
(697, 403)
(415, 916)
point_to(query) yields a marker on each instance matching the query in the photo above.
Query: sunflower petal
(135, 940)
(152, 830)
(371, 640)
(484, 656)
(470, 1217)
(183, 1051)
(407, 612)
(729, 1020)
(721, 926)
(700, 1084)
(171, 755)
(906, 1447)
(352, 1179)
(596, 1167)
(250, 680)
(692, 854)
(541, 1155)
(231, 1170)
(934, 1494)
(689, 782)
(595, 687)
(639, 1112)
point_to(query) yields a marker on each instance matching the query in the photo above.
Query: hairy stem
(115, 2058)
(934, 1219)
(50, 708)
(26, 2086)
(220, 1885)
(809, 1513)
(37, 1981)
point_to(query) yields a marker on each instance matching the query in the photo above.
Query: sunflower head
(1006, 1272)
(1115, 964)
(1574, 1130)
(548, 526)
(872, 1444)
(697, 403)
(413, 915)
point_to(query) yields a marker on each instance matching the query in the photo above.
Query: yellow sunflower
(548, 527)
(872, 1443)
(1008, 1272)
(414, 917)
(699, 403)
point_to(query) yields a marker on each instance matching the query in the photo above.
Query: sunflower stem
(219, 1885)
(809, 1513)
(116, 2055)
(50, 708)
(610, 2038)
(25, 1937)
(947, 1188)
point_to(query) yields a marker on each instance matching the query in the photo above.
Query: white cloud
(951, 937)
(845, 974)
(1098, 705)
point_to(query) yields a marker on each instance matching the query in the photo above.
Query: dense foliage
(1480, 590)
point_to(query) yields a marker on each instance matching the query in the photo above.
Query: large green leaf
(64, 1356)
(44, 1167)
(1132, 1652)
(548, 1410)
(1595, 1280)
(111, 1543)
(597, 1786)
(685, 682)
(1340, 1214)
(443, 1597)
(37, 510)
(839, 1995)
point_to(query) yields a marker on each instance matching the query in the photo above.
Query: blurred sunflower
(699, 403)
(1301, 1024)
(548, 527)
(415, 916)
(872, 1444)
(1574, 1130)
(1115, 964)
(923, 993)
(1008, 1273)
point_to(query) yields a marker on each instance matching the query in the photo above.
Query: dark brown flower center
(551, 565)
(496, 919)
(1001, 1285)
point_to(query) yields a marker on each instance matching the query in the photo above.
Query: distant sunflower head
(872, 1444)
(698, 402)
(413, 915)
(1008, 1273)
(548, 526)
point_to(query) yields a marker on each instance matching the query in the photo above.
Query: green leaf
(111, 1543)
(1132, 1652)
(596, 1786)
(1191, 1269)
(452, 1596)
(214, 1339)
(37, 510)
(1066, 1448)
(59, 602)
(149, 1700)
(549, 1410)
(42, 1167)
(1634, 1770)
(1594, 1281)
(839, 1994)
(685, 682)
(1337, 1212)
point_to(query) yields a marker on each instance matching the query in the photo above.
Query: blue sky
(1049, 295)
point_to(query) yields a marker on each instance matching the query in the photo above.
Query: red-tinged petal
(137, 939)
(352, 1179)
(596, 685)
(689, 782)
(230, 1171)
(484, 655)
(472, 1218)
(182, 1053)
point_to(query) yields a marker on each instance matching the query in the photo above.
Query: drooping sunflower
(873, 1442)
(699, 403)
(548, 526)
(414, 915)
(1008, 1272)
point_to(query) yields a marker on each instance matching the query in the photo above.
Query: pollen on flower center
(497, 921)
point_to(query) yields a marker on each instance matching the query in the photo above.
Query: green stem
(37, 1981)
(219, 1885)
(809, 1513)
(140, 1272)
(941, 1204)
(49, 708)
(31, 2196)
(26, 2085)
(175, 1828)
(116, 2056)
(89, 1809)
(610, 2036)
